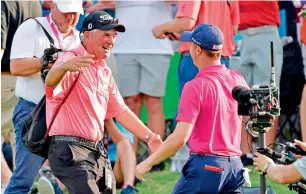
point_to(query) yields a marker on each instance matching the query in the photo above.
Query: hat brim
(117, 27)
(186, 37)
(69, 8)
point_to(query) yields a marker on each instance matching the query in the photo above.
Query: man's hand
(91, 9)
(260, 161)
(173, 36)
(302, 145)
(154, 142)
(158, 32)
(78, 62)
(302, 13)
(142, 169)
(100, 6)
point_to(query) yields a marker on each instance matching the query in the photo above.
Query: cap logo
(196, 42)
(89, 26)
(217, 47)
(105, 17)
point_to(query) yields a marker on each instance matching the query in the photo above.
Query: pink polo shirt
(218, 13)
(94, 98)
(207, 103)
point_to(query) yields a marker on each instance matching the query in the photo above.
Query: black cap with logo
(102, 21)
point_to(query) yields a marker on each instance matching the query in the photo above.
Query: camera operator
(208, 119)
(282, 174)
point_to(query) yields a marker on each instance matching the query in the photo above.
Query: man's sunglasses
(109, 21)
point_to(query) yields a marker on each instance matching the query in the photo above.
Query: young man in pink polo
(208, 119)
(76, 154)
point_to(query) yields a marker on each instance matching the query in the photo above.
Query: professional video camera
(48, 58)
(261, 103)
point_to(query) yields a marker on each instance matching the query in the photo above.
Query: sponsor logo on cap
(217, 47)
(89, 26)
(196, 42)
(105, 17)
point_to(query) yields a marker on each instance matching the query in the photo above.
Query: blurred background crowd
(149, 69)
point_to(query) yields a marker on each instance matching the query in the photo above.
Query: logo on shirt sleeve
(180, 110)
(183, 7)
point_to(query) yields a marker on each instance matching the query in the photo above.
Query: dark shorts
(210, 174)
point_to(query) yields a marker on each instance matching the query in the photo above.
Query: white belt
(257, 30)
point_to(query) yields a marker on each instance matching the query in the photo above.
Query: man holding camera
(28, 46)
(282, 174)
(207, 118)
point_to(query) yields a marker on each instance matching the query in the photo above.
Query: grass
(163, 183)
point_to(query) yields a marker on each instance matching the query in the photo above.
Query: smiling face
(100, 42)
(65, 22)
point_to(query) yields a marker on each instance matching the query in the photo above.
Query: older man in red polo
(76, 153)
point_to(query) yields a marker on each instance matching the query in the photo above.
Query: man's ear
(199, 50)
(86, 35)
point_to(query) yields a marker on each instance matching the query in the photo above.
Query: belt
(257, 30)
(83, 142)
(218, 156)
(6, 73)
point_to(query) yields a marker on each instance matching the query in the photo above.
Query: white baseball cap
(68, 6)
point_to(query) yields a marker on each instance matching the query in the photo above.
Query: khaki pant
(8, 101)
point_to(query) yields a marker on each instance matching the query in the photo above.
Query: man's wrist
(267, 166)
(164, 27)
(148, 137)
(63, 68)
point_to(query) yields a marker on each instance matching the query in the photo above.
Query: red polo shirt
(258, 13)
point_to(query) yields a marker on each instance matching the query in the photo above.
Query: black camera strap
(46, 33)
(44, 70)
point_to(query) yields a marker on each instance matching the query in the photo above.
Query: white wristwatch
(266, 167)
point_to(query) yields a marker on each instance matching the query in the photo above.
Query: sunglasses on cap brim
(109, 21)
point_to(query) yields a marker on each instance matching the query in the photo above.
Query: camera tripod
(259, 128)
(262, 144)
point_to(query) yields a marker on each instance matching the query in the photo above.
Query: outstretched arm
(172, 144)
